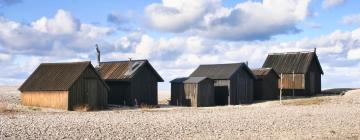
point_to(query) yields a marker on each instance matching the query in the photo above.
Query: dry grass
(307, 101)
(82, 108)
(148, 108)
(5, 108)
(32, 108)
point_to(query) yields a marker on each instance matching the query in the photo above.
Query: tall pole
(293, 81)
(98, 54)
(281, 84)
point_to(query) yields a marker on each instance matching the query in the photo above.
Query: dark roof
(297, 62)
(119, 70)
(189, 80)
(220, 71)
(55, 76)
(262, 72)
(195, 80)
(179, 80)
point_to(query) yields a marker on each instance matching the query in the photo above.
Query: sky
(178, 35)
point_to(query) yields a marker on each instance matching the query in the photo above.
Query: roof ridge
(57, 63)
(222, 64)
(300, 52)
(124, 61)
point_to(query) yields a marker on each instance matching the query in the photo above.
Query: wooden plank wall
(51, 99)
(178, 94)
(242, 88)
(82, 94)
(191, 93)
(206, 93)
(289, 83)
(144, 88)
(119, 93)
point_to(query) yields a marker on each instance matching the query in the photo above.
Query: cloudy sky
(178, 35)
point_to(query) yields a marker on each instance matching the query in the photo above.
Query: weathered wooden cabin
(266, 84)
(192, 91)
(300, 72)
(65, 86)
(131, 82)
(233, 82)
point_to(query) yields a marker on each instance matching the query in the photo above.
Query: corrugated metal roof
(119, 70)
(261, 72)
(54, 76)
(195, 79)
(219, 71)
(297, 62)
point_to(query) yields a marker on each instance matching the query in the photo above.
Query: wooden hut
(192, 91)
(131, 82)
(266, 84)
(300, 72)
(65, 86)
(233, 82)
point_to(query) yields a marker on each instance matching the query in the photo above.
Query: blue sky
(178, 35)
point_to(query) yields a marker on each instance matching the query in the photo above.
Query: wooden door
(312, 83)
(91, 94)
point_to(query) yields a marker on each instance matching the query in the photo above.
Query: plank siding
(178, 95)
(266, 87)
(289, 83)
(82, 92)
(206, 93)
(51, 99)
(144, 88)
(193, 94)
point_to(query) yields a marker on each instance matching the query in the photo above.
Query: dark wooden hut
(266, 84)
(233, 82)
(300, 72)
(192, 91)
(131, 82)
(65, 86)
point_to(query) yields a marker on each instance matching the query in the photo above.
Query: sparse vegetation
(82, 108)
(34, 108)
(306, 101)
(3, 107)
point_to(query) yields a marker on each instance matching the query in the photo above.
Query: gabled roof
(262, 72)
(179, 80)
(55, 76)
(297, 62)
(120, 71)
(220, 71)
(189, 80)
(194, 80)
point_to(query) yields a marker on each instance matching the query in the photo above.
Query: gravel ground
(330, 117)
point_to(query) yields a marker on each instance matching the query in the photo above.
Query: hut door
(91, 94)
(312, 83)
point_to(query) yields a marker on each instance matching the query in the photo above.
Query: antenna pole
(98, 54)
(281, 83)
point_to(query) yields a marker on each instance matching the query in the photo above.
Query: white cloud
(354, 54)
(5, 57)
(351, 19)
(62, 23)
(179, 56)
(59, 38)
(331, 3)
(241, 22)
(178, 15)
(43, 36)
